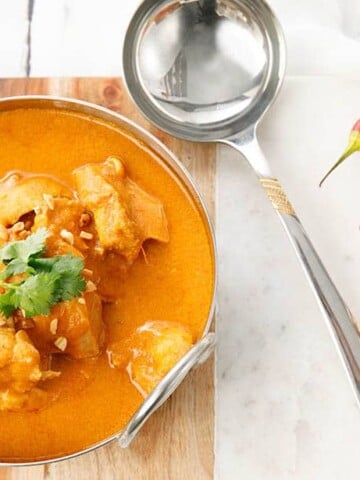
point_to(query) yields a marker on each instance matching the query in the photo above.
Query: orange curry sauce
(175, 283)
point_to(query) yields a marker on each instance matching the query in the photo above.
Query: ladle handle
(342, 325)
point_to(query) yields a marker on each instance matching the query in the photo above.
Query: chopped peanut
(53, 326)
(90, 286)
(86, 235)
(67, 236)
(61, 343)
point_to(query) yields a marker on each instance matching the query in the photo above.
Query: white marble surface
(284, 410)
(284, 407)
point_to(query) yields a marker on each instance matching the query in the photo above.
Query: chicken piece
(20, 372)
(109, 205)
(150, 353)
(22, 193)
(148, 213)
(74, 328)
(125, 216)
(62, 217)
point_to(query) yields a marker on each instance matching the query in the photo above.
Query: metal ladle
(208, 70)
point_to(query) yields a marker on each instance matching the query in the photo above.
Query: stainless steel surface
(207, 70)
(203, 70)
(205, 346)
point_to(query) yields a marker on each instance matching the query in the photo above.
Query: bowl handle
(195, 356)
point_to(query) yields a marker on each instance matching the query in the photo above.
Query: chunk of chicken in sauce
(74, 327)
(22, 193)
(20, 372)
(125, 216)
(150, 353)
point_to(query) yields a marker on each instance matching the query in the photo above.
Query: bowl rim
(205, 345)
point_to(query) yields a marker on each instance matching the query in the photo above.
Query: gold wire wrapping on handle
(277, 195)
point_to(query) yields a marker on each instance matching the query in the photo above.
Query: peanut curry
(106, 279)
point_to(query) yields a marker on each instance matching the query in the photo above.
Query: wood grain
(177, 442)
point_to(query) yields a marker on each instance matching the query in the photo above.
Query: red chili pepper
(353, 146)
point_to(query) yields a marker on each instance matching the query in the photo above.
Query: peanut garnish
(67, 236)
(81, 300)
(53, 326)
(90, 286)
(61, 343)
(86, 235)
(88, 272)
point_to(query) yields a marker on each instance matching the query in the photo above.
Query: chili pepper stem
(353, 146)
(343, 157)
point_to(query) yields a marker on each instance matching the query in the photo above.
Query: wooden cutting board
(177, 442)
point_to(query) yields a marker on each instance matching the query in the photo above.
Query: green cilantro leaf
(48, 281)
(67, 263)
(70, 286)
(15, 267)
(32, 246)
(69, 270)
(71, 282)
(7, 303)
(42, 264)
(37, 294)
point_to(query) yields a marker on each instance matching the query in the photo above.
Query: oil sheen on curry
(106, 279)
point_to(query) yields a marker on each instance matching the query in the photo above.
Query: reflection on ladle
(179, 58)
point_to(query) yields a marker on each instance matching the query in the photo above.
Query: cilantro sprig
(45, 282)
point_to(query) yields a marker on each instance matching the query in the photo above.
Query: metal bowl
(204, 347)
